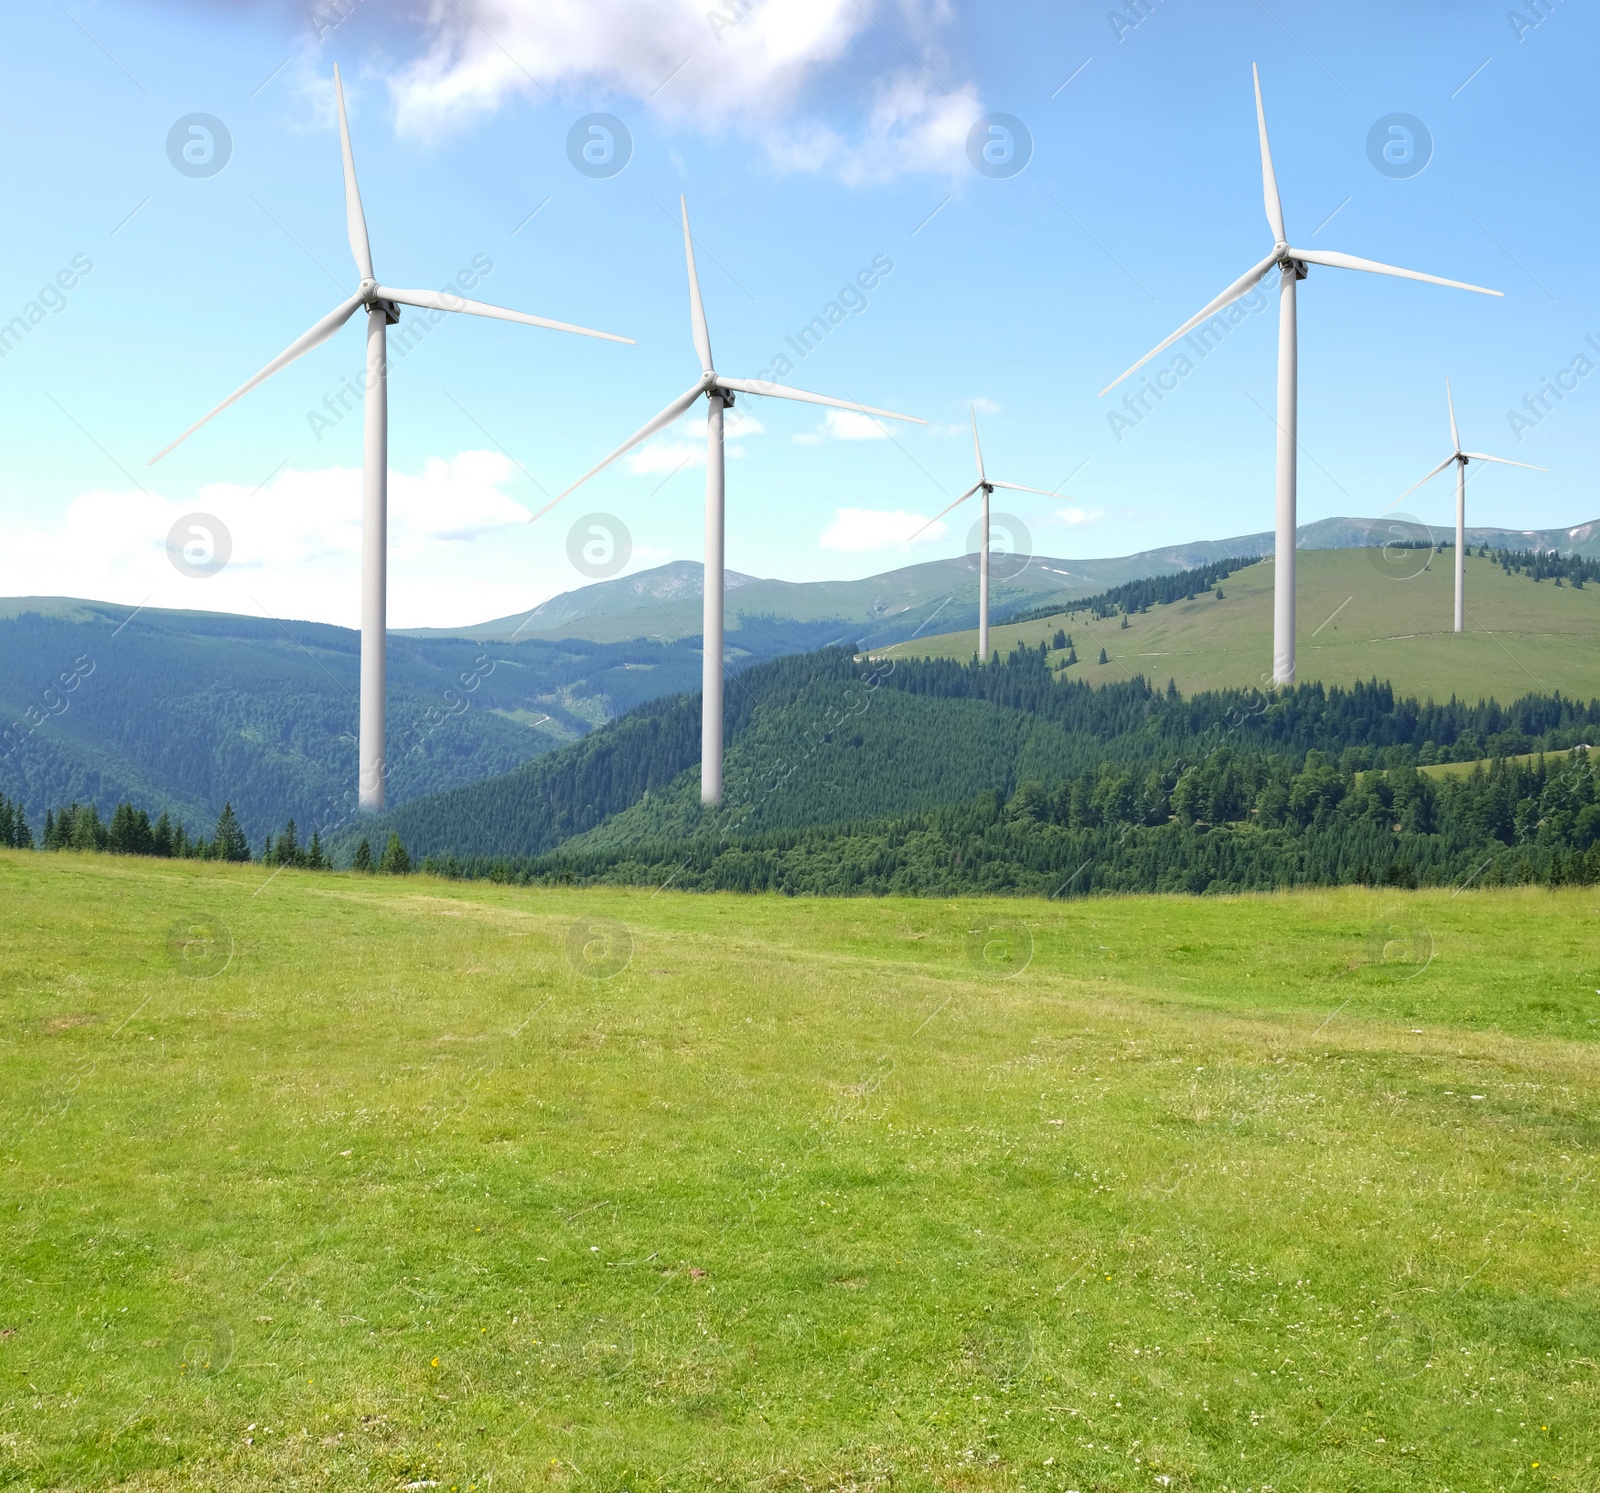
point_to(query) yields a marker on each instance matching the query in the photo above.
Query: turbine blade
(1017, 487)
(443, 300)
(1504, 461)
(1352, 262)
(783, 391)
(697, 310)
(1244, 283)
(1429, 478)
(948, 506)
(661, 421)
(319, 334)
(977, 450)
(355, 219)
(1455, 435)
(1269, 177)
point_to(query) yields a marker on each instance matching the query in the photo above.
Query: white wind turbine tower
(382, 306)
(986, 485)
(1461, 458)
(719, 392)
(1291, 266)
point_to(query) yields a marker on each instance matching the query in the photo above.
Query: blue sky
(811, 139)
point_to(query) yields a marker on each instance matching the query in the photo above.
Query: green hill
(183, 711)
(1354, 621)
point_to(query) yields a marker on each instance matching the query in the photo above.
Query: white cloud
(912, 126)
(985, 406)
(707, 64)
(460, 549)
(856, 531)
(686, 447)
(1070, 518)
(843, 425)
(666, 456)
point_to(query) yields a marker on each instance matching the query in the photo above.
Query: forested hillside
(182, 712)
(1233, 822)
(823, 744)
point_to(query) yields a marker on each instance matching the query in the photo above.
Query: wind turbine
(719, 392)
(986, 485)
(1461, 458)
(382, 306)
(1291, 266)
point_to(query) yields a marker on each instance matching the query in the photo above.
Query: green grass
(1353, 622)
(1466, 769)
(1124, 1195)
(1441, 770)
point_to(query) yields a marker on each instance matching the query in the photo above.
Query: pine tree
(316, 858)
(363, 860)
(228, 841)
(161, 839)
(130, 832)
(395, 861)
(1103, 658)
(88, 833)
(285, 850)
(1124, 619)
(1059, 640)
(1072, 655)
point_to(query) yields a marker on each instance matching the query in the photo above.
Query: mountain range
(184, 711)
(935, 595)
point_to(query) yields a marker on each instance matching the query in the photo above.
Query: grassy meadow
(327, 1181)
(1359, 616)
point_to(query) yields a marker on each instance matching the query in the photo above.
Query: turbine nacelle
(1284, 256)
(986, 485)
(1461, 458)
(372, 295)
(711, 382)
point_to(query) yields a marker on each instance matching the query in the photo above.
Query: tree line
(1139, 596)
(1545, 565)
(131, 832)
(1231, 822)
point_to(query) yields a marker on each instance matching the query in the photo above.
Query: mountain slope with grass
(882, 609)
(1361, 614)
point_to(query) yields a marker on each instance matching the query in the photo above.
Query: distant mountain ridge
(664, 603)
